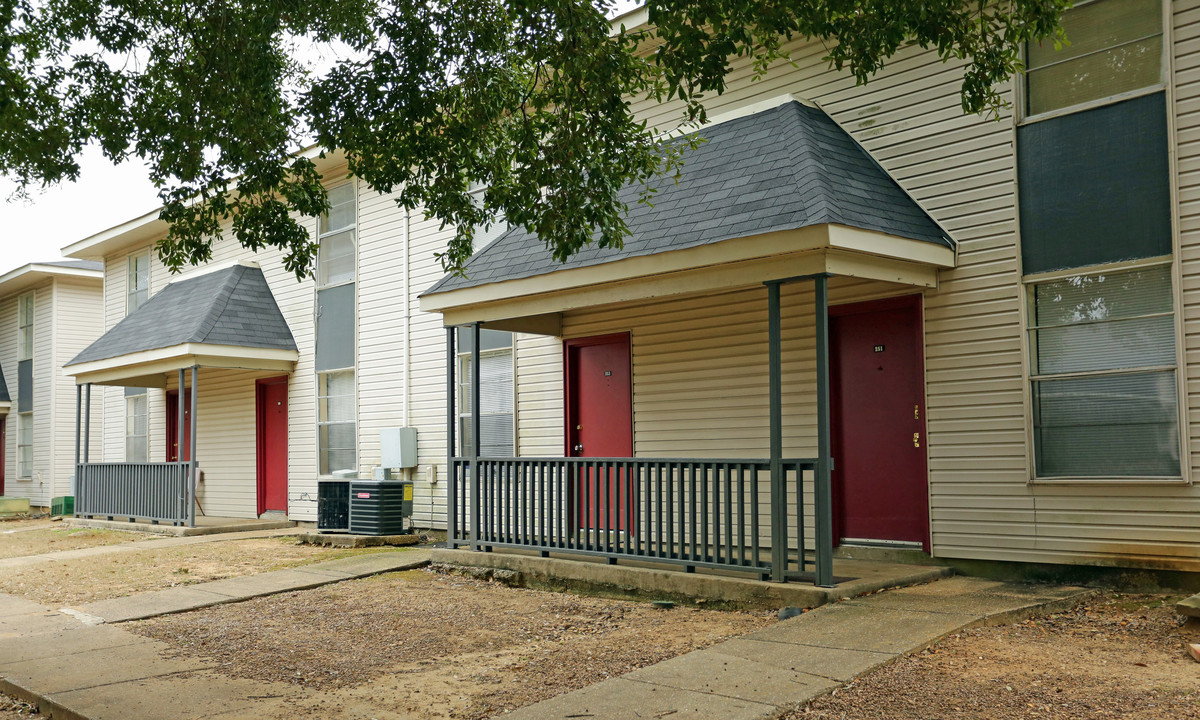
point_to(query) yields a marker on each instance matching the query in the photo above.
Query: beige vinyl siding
(691, 355)
(41, 487)
(226, 414)
(78, 321)
(539, 388)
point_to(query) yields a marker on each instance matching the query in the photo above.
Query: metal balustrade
(718, 513)
(147, 491)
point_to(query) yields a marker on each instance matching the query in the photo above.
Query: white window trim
(25, 349)
(130, 275)
(1028, 379)
(144, 397)
(353, 227)
(1021, 111)
(21, 443)
(317, 287)
(320, 424)
(462, 383)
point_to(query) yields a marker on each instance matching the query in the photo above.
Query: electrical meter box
(398, 447)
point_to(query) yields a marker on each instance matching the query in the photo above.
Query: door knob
(578, 447)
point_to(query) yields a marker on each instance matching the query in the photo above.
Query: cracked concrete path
(100, 672)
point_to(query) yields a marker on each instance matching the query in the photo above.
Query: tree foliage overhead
(431, 99)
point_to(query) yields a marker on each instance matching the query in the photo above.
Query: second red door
(600, 424)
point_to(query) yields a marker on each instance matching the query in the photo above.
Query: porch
(222, 328)
(671, 495)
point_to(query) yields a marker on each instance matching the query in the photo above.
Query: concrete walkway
(99, 672)
(153, 543)
(218, 592)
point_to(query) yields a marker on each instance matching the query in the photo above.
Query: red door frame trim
(915, 300)
(568, 366)
(260, 459)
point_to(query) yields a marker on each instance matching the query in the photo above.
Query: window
(25, 445)
(486, 233)
(25, 327)
(335, 423)
(1103, 366)
(135, 425)
(1116, 47)
(336, 338)
(495, 393)
(335, 257)
(137, 282)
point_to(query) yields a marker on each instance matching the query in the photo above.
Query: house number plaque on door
(878, 348)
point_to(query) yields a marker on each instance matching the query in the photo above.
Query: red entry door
(272, 399)
(600, 424)
(880, 483)
(173, 426)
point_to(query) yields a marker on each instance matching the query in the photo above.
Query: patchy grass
(18, 539)
(1114, 656)
(83, 580)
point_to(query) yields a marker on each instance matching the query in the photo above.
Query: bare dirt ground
(13, 709)
(83, 580)
(1115, 656)
(36, 537)
(428, 645)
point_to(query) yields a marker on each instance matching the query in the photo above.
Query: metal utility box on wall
(380, 507)
(398, 447)
(333, 505)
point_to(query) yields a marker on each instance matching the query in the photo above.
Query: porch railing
(697, 513)
(148, 491)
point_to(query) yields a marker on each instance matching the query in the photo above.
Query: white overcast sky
(36, 229)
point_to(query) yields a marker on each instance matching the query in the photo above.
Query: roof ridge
(807, 162)
(220, 302)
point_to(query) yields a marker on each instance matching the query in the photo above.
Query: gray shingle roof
(4, 389)
(232, 306)
(784, 168)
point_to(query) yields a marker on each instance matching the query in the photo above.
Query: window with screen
(138, 282)
(1103, 373)
(496, 393)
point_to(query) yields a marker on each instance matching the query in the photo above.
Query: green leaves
(472, 111)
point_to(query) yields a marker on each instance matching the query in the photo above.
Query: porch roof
(772, 173)
(224, 318)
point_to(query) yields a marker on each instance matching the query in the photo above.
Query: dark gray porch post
(779, 544)
(823, 495)
(78, 434)
(87, 420)
(192, 449)
(475, 444)
(179, 425)
(452, 491)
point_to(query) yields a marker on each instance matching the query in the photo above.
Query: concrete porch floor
(858, 577)
(205, 525)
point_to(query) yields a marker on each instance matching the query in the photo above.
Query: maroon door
(880, 477)
(173, 426)
(600, 424)
(272, 402)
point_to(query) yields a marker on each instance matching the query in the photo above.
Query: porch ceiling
(226, 319)
(774, 194)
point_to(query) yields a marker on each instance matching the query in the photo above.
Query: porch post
(78, 436)
(192, 449)
(823, 495)
(476, 516)
(452, 491)
(779, 544)
(87, 420)
(179, 398)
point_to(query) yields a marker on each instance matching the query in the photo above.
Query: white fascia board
(5, 407)
(26, 276)
(149, 227)
(149, 362)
